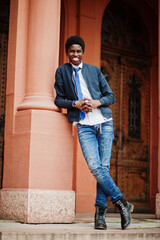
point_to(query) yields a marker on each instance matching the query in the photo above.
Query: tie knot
(76, 69)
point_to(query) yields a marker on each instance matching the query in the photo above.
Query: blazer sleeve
(107, 94)
(60, 100)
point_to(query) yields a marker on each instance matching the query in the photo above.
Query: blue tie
(79, 92)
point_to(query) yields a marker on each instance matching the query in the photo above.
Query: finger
(87, 109)
(88, 105)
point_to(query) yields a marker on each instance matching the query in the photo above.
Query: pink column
(43, 45)
(158, 194)
(38, 162)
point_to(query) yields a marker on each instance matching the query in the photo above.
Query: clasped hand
(87, 105)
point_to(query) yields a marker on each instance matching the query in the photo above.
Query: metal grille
(134, 105)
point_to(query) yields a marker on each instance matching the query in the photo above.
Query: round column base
(38, 101)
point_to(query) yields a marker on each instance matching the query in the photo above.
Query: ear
(67, 53)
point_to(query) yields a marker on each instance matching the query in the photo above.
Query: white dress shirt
(94, 117)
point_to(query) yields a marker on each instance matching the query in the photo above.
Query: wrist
(74, 104)
(99, 103)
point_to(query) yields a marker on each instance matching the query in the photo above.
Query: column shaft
(43, 45)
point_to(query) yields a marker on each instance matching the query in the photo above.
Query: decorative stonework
(37, 206)
(123, 28)
(158, 205)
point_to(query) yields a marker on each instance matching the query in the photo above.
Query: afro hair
(74, 40)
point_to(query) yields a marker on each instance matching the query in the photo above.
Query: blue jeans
(96, 143)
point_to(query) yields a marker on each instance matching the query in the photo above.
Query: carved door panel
(129, 80)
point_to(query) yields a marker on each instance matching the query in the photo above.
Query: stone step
(143, 226)
(83, 235)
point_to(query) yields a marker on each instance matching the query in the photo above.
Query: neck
(76, 66)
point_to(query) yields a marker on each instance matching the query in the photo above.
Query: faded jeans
(96, 143)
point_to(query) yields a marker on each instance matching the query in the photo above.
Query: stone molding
(158, 205)
(38, 206)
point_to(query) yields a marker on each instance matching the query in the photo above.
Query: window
(134, 108)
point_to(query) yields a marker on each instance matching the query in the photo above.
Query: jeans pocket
(108, 128)
(109, 123)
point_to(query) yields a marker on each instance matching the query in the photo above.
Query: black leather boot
(99, 221)
(125, 209)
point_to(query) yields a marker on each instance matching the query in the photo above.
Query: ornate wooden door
(130, 153)
(125, 63)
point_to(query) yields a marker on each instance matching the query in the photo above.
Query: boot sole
(100, 228)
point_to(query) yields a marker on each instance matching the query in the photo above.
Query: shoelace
(123, 209)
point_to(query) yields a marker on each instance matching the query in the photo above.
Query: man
(83, 90)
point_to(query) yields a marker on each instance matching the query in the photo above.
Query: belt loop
(100, 127)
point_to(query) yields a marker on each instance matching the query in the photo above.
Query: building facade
(44, 177)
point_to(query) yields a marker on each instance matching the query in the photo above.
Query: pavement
(143, 226)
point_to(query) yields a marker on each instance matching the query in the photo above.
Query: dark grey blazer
(96, 83)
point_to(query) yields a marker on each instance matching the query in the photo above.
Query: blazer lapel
(70, 80)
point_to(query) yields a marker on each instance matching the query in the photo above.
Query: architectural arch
(133, 49)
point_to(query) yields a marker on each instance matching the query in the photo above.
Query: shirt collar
(79, 66)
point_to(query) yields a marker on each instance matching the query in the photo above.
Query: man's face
(75, 54)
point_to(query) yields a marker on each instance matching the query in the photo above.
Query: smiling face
(75, 54)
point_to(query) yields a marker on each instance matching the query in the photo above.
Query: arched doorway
(125, 60)
(4, 27)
